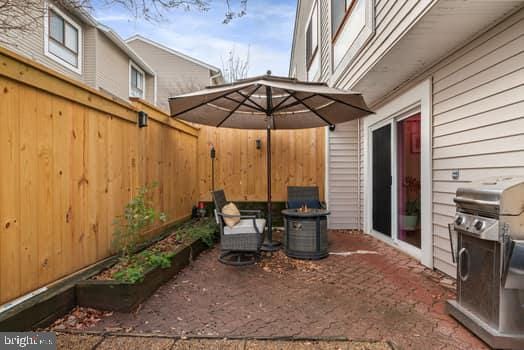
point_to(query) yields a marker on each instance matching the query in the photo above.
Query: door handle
(463, 253)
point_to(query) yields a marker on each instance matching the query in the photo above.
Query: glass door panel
(382, 180)
(408, 180)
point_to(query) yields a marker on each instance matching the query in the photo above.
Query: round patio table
(305, 234)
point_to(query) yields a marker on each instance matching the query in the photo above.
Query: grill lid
(499, 195)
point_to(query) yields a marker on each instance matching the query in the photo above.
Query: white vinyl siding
(325, 40)
(478, 121)
(391, 20)
(175, 75)
(343, 176)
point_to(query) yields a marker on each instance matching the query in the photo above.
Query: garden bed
(125, 285)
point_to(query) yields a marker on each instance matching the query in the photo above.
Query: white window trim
(416, 99)
(316, 54)
(135, 66)
(69, 66)
(366, 33)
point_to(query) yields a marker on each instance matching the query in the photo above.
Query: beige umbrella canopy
(280, 103)
(269, 102)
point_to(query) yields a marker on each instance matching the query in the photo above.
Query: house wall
(112, 74)
(343, 167)
(175, 75)
(31, 44)
(90, 63)
(391, 20)
(477, 120)
(72, 158)
(477, 100)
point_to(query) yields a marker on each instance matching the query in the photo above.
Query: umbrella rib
(262, 109)
(204, 103)
(238, 106)
(276, 109)
(237, 101)
(344, 103)
(311, 109)
(280, 103)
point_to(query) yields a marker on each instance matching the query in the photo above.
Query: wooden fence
(298, 158)
(71, 157)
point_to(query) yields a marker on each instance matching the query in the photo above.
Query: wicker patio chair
(297, 196)
(240, 244)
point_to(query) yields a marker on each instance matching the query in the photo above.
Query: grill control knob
(479, 225)
(459, 220)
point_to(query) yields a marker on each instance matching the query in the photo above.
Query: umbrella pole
(269, 244)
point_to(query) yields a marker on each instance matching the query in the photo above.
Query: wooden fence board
(240, 168)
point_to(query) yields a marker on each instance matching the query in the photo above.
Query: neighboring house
(74, 43)
(445, 78)
(176, 72)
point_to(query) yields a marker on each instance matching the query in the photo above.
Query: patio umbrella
(269, 102)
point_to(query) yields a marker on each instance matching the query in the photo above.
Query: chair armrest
(256, 212)
(252, 217)
(237, 216)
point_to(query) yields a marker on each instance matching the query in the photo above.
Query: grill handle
(453, 242)
(476, 202)
(463, 253)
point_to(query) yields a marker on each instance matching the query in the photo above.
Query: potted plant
(412, 209)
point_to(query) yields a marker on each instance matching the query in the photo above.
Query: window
(62, 39)
(137, 83)
(352, 28)
(339, 11)
(312, 37)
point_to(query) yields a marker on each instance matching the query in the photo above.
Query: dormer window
(136, 81)
(63, 39)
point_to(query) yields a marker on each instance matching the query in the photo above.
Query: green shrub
(139, 263)
(204, 229)
(138, 215)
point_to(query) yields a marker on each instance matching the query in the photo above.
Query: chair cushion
(311, 203)
(231, 209)
(246, 226)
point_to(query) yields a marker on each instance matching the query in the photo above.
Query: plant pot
(409, 222)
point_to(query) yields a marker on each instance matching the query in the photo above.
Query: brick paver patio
(386, 296)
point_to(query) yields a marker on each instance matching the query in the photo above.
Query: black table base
(306, 234)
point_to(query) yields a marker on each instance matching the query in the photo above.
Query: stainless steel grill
(487, 239)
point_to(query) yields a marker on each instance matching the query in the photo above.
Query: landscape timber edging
(45, 308)
(60, 298)
(124, 296)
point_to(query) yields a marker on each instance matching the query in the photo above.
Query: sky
(266, 31)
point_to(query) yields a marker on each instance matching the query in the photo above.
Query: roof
(85, 16)
(173, 52)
